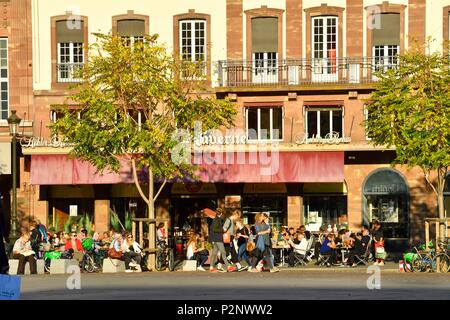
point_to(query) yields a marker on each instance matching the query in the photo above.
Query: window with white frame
(131, 30)
(386, 42)
(193, 44)
(324, 45)
(70, 49)
(324, 122)
(265, 49)
(4, 98)
(265, 123)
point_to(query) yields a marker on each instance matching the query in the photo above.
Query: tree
(118, 82)
(410, 110)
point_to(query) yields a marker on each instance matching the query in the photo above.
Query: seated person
(74, 244)
(299, 246)
(24, 253)
(131, 250)
(361, 242)
(282, 235)
(328, 249)
(302, 229)
(196, 251)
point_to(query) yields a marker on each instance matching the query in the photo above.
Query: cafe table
(281, 247)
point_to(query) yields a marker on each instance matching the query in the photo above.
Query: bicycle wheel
(89, 264)
(417, 264)
(444, 262)
(160, 261)
(171, 260)
(47, 263)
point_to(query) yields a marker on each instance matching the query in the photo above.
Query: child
(380, 252)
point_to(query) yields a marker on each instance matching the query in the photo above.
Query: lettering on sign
(330, 138)
(55, 142)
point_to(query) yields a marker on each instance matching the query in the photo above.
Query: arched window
(385, 198)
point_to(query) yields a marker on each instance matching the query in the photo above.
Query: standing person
(263, 242)
(4, 265)
(131, 250)
(161, 233)
(24, 253)
(216, 238)
(229, 226)
(35, 238)
(242, 235)
(380, 251)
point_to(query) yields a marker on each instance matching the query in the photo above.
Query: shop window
(4, 98)
(265, 50)
(324, 122)
(275, 207)
(264, 123)
(324, 48)
(385, 198)
(386, 42)
(70, 49)
(193, 45)
(321, 211)
(131, 31)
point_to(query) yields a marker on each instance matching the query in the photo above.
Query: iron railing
(354, 70)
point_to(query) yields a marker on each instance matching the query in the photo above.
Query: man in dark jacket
(216, 238)
(4, 265)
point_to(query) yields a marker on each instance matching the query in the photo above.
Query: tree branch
(429, 182)
(160, 189)
(136, 182)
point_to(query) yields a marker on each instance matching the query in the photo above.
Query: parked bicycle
(423, 261)
(164, 257)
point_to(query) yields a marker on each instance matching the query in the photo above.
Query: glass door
(324, 49)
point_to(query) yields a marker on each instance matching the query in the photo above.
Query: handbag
(113, 254)
(227, 237)
(9, 287)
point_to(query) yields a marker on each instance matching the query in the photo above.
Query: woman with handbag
(115, 248)
(229, 237)
(263, 243)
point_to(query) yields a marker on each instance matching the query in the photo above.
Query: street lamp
(14, 122)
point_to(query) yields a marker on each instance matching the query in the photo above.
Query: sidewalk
(388, 267)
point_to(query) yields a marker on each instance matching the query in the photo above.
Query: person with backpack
(35, 238)
(216, 238)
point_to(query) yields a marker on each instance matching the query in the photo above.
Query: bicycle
(423, 262)
(443, 256)
(164, 257)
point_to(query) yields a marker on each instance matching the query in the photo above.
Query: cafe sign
(333, 138)
(34, 142)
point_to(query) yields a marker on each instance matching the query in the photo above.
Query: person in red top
(75, 245)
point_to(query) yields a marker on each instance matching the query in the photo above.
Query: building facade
(299, 72)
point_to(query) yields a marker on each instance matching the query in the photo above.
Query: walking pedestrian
(216, 238)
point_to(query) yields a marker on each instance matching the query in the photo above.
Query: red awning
(215, 167)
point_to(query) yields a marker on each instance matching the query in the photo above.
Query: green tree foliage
(117, 82)
(410, 110)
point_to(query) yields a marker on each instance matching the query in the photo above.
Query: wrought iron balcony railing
(354, 70)
(67, 72)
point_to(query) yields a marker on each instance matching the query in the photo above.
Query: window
(131, 30)
(264, 123)
(4, 79)
(70, 49)
(193, 44)
(324, 48)
(324, 122)
(386, 42)
(265, 50)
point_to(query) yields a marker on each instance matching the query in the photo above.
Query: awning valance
(244, 167)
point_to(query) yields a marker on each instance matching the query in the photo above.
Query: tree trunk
(441, 208)
(151, 264)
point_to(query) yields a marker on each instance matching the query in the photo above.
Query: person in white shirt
(24, 253)
(131, 250)
(299, 246)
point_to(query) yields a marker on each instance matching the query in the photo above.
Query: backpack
(217, 225)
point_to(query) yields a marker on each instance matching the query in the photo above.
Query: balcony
(68, 72)
(302, 72)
